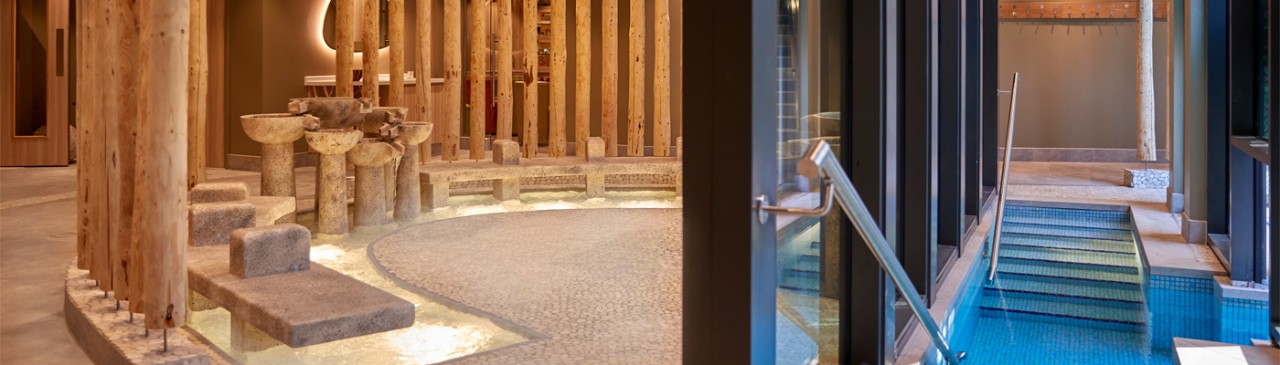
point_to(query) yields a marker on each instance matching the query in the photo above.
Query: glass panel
(32, 42)
(1263, 86)
(808, 247)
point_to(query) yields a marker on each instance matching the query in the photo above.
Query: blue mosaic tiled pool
(1072, 288)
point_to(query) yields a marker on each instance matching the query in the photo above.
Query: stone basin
(372, 152)
(413, 133)
(378, 118)
(333, 141)
(277, 128)
(335, 112)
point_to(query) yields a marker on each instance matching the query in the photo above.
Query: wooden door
(35, 74)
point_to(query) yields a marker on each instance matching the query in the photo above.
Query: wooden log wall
(662, 78)
(105, 142)
(479, 76)
(346, 38)
(197, 93)
(559, 58)
(370, 42)
(395, 32)
(126, 273)
(609, 76)
(1145, 84)
(423, 44)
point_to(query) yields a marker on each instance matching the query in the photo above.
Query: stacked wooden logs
(141, 108)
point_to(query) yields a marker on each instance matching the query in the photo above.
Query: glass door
(809, 289)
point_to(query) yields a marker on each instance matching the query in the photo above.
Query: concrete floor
(37, 241)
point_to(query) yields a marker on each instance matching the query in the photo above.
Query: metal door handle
(763, 208)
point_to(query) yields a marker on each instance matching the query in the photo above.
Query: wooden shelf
(1069, 10)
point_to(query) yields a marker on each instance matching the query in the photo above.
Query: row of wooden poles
(140, 113)
(453, 22)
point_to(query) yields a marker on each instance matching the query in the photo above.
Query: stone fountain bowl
(333, 141)
(371, 152)
(278, 128)
(412, 133)
(334, 112)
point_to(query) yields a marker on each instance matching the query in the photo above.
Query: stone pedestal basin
(371, 157)
(408, 191)
(333, 113)
(277, 132)
(331, 177)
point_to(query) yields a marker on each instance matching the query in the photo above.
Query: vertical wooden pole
(479, 75)
(582, 86)
(162, 161)
(197, 93)
(105, 175)
(370, 41)
(609, 76)
(346, 34)
(85, 129)
(662, 78)
(530, 34)
(506, 102)
(559, 65)
(1146, 86)
(395, 31)
(452, 79)
(124, 34)
(423, 39)
(635, 100)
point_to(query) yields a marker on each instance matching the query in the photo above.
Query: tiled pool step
(1075, 215)
(803, 275)
(1117, 262)
(1038, 220)
(1060, 231)
(1071, 243)
(803, 285)
(1052, 288)
(1032, 268)
(1064, 313)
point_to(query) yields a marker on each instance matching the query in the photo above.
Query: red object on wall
(491, 114)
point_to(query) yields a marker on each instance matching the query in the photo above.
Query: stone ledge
(298, 309)
(106, 335)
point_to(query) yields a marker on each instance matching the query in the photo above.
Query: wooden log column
(479, 76)
(124, 37)
(197, 93)
(370, 42)
(107, 175)
(423, 66)
(582, 73)
(662, 78)
(395, 31)
(346, 39)
(1146, 87)
(635, 99)
(530, 35)
(162, 207)
(609, 76)
(506, 101)
(452, 79)
(559, 59)
(84, 127)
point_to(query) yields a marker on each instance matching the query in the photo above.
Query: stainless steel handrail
(819, 161)
(1004, 179)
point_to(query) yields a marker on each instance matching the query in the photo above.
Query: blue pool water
(1074, 293)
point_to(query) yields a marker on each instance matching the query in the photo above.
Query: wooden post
(530, 34)
(370, 43)
(1146, 86)
(582, 86)
(395, 31)
(124, 37)
(635, 100)
(197, 93)
(479, 75)
(84, 124)
(609, 76)
(559, 65)
(104, 141)
(452, 79)
(506, 102)
(662, 78)
(162, 204)
(345, 32)
(423, 38)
